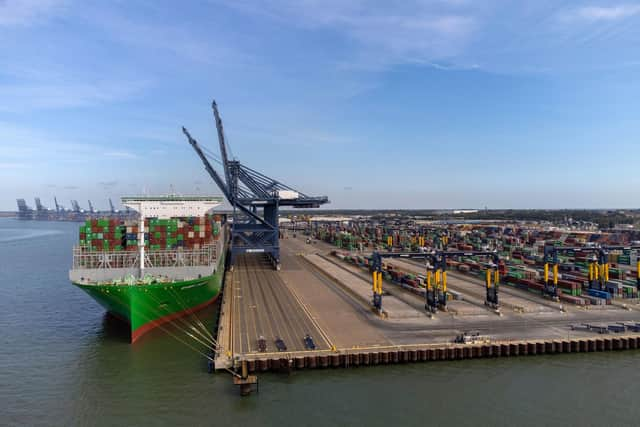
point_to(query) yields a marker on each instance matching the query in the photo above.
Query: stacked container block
(159, 234)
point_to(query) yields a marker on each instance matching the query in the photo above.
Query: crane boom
(256, 200)
(221, 141)
(219, 182)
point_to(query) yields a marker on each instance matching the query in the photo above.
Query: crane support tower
(24, 211)
(598, 266)
(255, 198)
(551, 275)
(436, 276)
(624, 248)
(41, 211)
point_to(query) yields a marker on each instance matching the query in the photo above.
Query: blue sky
(377, 104)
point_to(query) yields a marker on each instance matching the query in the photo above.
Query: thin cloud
(606, 13)
(121, 154)
(28, 12)
(108, 184)
(29, 143)
(187, 41)
(304, 137)
(12, 165)
(40, 95)
(384, 34)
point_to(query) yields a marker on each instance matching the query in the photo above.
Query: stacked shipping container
(159, 234)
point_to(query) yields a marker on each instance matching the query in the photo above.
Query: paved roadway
(541, 324)
(265, 306)
(343, 319)
(301, 300)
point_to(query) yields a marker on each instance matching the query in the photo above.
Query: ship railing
(180, 257)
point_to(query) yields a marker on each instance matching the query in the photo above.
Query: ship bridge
(172, 206)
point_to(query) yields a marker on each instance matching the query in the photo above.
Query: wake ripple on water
(15, 234)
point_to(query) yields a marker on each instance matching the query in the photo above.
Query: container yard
(328, 288)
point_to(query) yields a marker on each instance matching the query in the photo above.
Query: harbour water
(64, 362)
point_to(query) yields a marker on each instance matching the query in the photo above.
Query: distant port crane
(255, 198)
(24, 211)
(60, 213)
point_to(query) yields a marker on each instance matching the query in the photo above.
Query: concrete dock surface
(316, 295)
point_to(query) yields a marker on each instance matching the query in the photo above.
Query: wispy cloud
(604, 13)
(44, 95)
(384, 33)
(26, 142)
(121, 154)
(36, 146)
(299, 137)
(15, 13)
(108, 184)
(12, 165)
(197, 43)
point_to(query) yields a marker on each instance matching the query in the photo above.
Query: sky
(427, 104)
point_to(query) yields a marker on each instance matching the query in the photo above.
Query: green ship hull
(146, 307)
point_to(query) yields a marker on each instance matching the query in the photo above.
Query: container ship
(167, 263)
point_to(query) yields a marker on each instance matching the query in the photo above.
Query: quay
(267, 318)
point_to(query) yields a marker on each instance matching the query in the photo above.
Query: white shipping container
(288, 194)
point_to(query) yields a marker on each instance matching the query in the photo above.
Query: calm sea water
(63, 362)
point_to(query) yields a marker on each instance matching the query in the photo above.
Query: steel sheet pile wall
(414, 354)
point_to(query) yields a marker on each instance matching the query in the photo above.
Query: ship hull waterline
(146, 307)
